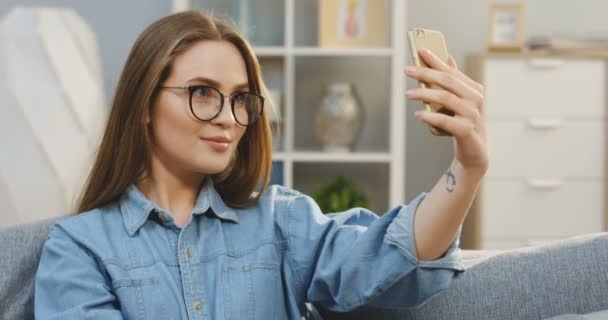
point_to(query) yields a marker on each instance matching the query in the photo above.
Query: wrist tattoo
(450, 181)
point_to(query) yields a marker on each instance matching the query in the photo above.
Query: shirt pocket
(140, 297)
(252, 291)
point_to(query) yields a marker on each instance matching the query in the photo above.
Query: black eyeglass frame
(192, 89)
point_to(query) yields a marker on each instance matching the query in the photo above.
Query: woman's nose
(225, 117)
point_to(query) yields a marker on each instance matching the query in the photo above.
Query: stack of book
(568, 44)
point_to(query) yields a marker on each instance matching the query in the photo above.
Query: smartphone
(433, 41)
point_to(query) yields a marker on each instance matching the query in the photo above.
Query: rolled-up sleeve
(356, 258)
(70, 283)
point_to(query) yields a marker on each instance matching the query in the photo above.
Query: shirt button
(196, 304)
(189, 252)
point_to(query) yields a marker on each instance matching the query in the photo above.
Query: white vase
(338, 118)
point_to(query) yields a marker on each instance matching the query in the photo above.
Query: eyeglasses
(206, 104)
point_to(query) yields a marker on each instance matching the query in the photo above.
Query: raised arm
(444, 209)
(356, 258)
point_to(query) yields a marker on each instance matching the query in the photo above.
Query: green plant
(339, 195)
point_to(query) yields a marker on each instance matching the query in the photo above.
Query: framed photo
(506, 27)
(353, 23)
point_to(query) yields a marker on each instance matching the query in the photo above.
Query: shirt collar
(136, 208)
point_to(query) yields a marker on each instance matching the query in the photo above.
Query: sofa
(565, 280)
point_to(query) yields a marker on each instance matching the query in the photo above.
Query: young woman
(169, 225)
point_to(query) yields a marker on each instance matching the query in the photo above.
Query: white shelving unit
(285, 43)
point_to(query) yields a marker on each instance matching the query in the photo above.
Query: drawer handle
(546, 184)
(546, 63)
(537, 123)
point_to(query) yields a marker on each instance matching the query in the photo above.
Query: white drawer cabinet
(522, 87)
(524, 208)
(545, 147)
(547, 140)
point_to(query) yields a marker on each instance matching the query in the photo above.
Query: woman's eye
(201, 91)
(240, 97)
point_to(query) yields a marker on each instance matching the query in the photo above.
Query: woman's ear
(147, 117)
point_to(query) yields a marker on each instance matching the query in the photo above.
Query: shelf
(284, 36)
(277, 175)
(306, 21)
(273, 72)
(354, 157)
(261, 21)
(269, 51)
(279, 156)
(316, 51)
(341, 157)
(278, 51)
(370, 178)
(371, 80)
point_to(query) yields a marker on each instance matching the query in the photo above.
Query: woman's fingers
(434, 62)
(446, 99)
(459, 127)
(452, 62)
(448, 82)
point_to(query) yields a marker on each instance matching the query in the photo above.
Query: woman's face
(182, 142)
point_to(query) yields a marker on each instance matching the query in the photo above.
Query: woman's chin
(212, 168)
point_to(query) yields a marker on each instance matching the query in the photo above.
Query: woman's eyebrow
(217, 84)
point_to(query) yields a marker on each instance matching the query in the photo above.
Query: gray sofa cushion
(600, 315)
(566, 277)
(20, 248)
(569, 277)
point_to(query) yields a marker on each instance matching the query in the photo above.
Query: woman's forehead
(220, 61)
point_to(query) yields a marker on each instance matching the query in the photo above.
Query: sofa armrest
(567, 276)
(20, 247)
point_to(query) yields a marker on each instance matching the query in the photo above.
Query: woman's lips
(217, 144)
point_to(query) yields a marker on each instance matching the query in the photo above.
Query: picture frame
(353, 23)
(506, 27)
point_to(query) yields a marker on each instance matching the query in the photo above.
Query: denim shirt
(130, 260)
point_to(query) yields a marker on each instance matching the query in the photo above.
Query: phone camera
(420, 33)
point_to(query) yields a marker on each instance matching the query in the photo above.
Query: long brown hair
(124, 153)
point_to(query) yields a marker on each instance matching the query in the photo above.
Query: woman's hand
(464, 97)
